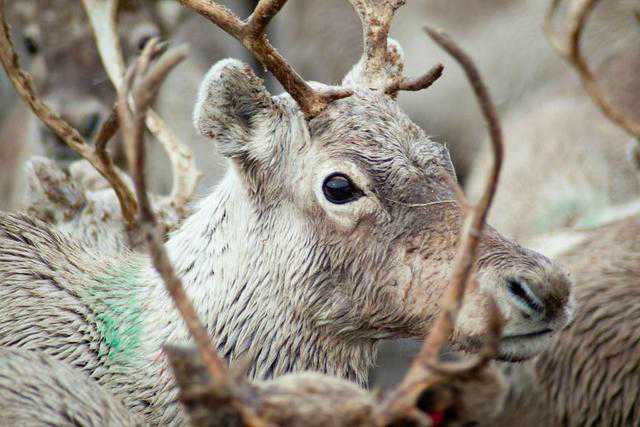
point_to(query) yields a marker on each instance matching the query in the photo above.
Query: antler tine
(132, 121)
(570, 50)
(427, 370)
(414, 85)
(475, 222)
(94, 155)
(375, 16)
(251, 33)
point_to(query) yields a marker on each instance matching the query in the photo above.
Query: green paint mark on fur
(117, 311)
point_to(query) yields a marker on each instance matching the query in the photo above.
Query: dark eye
(143, 40)
(339, 189)
(31, 45)
(142, 34)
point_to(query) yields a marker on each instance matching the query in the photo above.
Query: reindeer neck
(259, 291)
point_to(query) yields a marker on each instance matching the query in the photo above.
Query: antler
(139, 88)
(570, 50)
(102, 15)
(427, 370)
(96, 154)
(375, 16)
(251, 33)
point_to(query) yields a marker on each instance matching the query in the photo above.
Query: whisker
(419, 205)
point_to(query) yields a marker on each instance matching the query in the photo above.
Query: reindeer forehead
(370, 128)
(56, 19)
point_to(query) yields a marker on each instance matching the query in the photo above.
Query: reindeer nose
(545, 301)
(523, 297)
(82, 114)
(88, 124)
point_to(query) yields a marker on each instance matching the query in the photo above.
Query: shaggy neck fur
(262, 292)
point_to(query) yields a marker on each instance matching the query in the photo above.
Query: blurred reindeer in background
(589, 163)
(56, 42)
(65, 192)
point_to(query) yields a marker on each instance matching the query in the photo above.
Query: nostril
(90, 124)
(524, 297)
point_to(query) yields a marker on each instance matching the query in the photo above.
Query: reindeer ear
(231, 102)
(395, 65)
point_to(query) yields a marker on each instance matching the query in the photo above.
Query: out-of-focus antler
(102, 15)
(570, 50)
(427, 370)
(94, 154)
(138, 90)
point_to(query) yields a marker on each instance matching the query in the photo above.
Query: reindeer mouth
(513, 348)
(539, 333)
(517, 348)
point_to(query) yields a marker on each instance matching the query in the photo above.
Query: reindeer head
(56, 38)
(356, 203)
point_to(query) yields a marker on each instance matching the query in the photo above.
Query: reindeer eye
(142, 34)
(142, 42)
(339, 189)
(31, 45)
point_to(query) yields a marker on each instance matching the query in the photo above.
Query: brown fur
(590, 375)
(311, 399)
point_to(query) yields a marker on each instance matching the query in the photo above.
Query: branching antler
(138, 90)
(427, 370)
(376, 16)
(570, 50)
(251, 33)
(93, 154)
(102, 15)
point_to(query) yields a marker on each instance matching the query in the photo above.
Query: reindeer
(334, 227)
(210, 393)
(599, 347)
(53, 36)
(56, 39)
(561, 131)
(36, 389)
(71, 195)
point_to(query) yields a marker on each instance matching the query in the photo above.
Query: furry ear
(232, 100)
(393, 70)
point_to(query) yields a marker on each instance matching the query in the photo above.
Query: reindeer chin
(513, 349)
